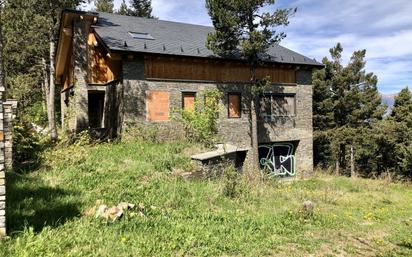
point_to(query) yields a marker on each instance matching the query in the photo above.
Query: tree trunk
(337, 167)
(45, 88)
(253, 127)
(352, 162)
(338, 161)
(52, 88)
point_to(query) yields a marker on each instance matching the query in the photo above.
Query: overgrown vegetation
(49, 209)
(200, 123)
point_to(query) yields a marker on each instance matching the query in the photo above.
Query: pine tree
(346, 105)
(141, 8)
(104, 5)
(245, 26)
(401, 120)
(402, 109)
(23, 22)
(124, 9)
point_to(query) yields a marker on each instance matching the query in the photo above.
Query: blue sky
(382, 27)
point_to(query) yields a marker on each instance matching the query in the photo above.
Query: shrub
(26, 147)
(138, 132)
(232, 182)
(200, 124)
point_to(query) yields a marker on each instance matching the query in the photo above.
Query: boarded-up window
(188, 100)
(234, 105)
(277, 105)
(157, 105)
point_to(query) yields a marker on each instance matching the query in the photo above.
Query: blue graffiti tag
(279, 165)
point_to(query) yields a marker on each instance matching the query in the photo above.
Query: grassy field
(50, 210)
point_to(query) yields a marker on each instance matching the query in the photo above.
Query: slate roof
(173, 38)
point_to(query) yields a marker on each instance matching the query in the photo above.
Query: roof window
(141, 35)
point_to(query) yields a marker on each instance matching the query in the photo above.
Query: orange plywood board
(157, 105)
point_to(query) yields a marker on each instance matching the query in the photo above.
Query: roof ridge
(152, 19)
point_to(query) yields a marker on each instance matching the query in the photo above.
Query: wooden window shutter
(188, 101)
(234, 105)
(157, 105)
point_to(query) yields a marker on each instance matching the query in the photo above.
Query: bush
(27, 147)
(135, 132)
(232, 182)
(200, 124)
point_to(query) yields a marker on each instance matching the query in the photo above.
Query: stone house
(120, 71)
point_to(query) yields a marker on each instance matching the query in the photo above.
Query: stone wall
(2, 174)
(231, 130)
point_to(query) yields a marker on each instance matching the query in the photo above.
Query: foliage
(233, 185)
(200, 123)
(346, 107)
(104, 5)
(400, 134)
(240, 26)
(23, 21)
(402, 109)
(124, 9)
(135, 132)
(139, 8)
(35, 113)
(27, 147)
(49, 210)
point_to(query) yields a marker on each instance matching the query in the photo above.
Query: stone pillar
(2, 176)
(80, 55)
(9, 113)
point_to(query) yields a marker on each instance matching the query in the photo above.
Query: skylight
(141, 35)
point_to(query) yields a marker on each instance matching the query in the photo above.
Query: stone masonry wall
(2, 175)
(231, 130)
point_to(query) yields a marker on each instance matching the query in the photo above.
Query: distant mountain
(389, 99)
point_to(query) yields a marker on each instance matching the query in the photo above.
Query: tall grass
(49, 209)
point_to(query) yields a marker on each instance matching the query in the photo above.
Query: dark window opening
(277, 105)
(234, 105)
(96, 109)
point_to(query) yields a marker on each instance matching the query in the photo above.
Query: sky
(382, 27)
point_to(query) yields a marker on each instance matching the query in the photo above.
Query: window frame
(228, 104)
(272, 95)
(192, 93)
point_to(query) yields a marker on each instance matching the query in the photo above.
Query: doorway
(96, 109)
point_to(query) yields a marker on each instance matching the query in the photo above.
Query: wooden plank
(213, 70)
(157, 105)
(189, 101)
(234, 106)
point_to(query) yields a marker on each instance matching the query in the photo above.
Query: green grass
(47, 210)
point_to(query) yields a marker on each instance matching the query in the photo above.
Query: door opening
(96, 109)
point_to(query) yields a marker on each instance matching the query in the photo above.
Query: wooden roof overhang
(68, 17)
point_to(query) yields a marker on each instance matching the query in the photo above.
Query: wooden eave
(65, 37)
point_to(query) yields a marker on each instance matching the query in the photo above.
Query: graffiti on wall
(278, 159)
